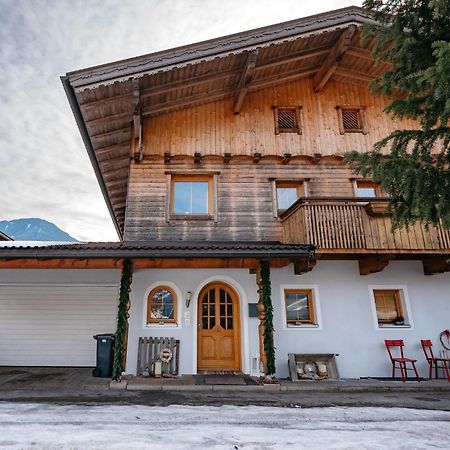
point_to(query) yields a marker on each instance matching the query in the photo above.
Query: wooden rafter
(244, 81)
(334, 58)
(344, 72)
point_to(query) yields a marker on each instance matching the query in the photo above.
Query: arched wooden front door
(218, 337)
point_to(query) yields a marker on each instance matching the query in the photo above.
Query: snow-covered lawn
(40, 426)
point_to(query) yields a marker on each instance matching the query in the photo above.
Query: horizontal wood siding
(347, 226)
(245, 208)
(212, 129)
(53, 325)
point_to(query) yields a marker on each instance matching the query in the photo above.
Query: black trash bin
(105, 355)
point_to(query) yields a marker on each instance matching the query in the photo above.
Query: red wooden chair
(432, 361)
(397, 346)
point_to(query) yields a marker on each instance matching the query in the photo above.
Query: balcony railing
(350, 225)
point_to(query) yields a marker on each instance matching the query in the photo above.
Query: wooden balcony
(351, 228)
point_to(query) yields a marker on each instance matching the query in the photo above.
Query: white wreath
(165, 355)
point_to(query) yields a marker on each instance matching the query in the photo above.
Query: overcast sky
(44, 168)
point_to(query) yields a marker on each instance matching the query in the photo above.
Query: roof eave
(90, 150)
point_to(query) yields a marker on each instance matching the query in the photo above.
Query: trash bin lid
(104, 336)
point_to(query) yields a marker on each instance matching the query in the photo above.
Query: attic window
(351, 120)
(287, 120)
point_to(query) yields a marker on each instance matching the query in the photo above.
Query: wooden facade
(212, 129)
(210, 110)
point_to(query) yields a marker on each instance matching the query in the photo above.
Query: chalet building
(217, 159)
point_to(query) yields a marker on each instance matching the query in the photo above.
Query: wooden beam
(167, 157)
(124, 131)
(333, 59)
(286, 158)
(226, 158)
(436, 265)
(189, 82)
(349, 73)
(257, 157)
(204, 97)
(295, 74)
(244, 81)
(197, 157)
(361, 53)
(293, 57)
(94, 104)
(107, 120)
(303, 265)
(373, 264)
(137, 123)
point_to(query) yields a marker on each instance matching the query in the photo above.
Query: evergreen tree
(413, 37)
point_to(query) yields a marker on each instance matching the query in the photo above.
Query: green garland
(269, 346)
(122, 319)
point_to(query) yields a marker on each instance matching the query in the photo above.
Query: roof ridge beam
(244, 82)
(334, 58)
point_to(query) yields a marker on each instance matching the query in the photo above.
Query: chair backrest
(392, 345)
(427, 348)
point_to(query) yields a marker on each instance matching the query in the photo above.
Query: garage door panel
(53, 324)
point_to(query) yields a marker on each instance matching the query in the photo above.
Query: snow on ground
(40, 426)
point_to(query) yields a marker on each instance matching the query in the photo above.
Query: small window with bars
(351, 119)
(287, 120)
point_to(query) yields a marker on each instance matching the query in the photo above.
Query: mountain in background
(34, 230)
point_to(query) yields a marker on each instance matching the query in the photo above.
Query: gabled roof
(105, 98)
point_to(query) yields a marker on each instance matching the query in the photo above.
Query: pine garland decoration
(269, 346)
(122, 319)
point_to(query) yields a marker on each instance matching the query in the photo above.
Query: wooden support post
(244, 81)
(137, 123)
(333, 59)
(262, 318)
(372, 264)
(436, 265)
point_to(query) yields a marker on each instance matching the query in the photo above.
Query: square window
(288, 193)
(287, 120)
(389, 307)
(299, 304)
(367, 189)
(351, 119)
(191, 195)
(162, 305)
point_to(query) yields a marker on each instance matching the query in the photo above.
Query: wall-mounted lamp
(188, 298)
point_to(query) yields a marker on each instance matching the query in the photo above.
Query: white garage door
(53, 324)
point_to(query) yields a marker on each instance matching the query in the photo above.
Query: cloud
(44, 168)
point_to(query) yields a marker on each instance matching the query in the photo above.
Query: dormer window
(351, 119)
(287, 120)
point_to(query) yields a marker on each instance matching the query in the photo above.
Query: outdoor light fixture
(188, 298)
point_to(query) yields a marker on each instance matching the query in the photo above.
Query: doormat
(224, 380)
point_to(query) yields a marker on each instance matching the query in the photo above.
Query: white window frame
(175, 325)
(316, 305)
(404, 298)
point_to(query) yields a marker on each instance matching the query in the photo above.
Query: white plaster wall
(348, 325)
(184, 280)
